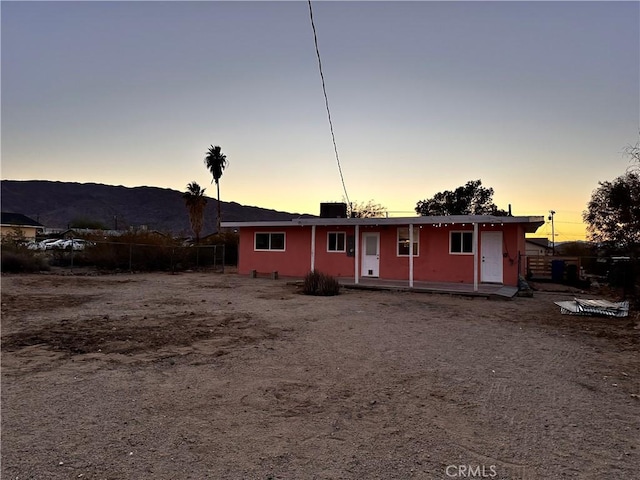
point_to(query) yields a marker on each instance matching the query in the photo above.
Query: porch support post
(313, 247)
(357, 254)
(410, 255)
(475, 257)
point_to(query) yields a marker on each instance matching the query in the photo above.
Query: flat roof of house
(532, 223)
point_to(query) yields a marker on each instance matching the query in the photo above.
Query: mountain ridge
(56, 204)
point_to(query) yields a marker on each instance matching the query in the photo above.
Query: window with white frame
(269, 241)
(403, 241)
(461, 242)
(336, 242)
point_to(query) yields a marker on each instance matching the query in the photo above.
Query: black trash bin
(572, 274)
(621, 273)
(557, 271)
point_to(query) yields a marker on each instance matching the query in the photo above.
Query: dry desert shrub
(318, 283)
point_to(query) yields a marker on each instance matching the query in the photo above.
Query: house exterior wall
(537, 246)
(536, 250)
(522, 251)
(28, 232)
(512, 247)
(294, 260)
(338, 264)
(433, 263)
(436, 264)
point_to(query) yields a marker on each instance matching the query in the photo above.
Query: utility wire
(326, 102)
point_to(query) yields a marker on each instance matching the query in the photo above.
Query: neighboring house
(467, 249)
(83, 232)
(12, 223)
(538, 246)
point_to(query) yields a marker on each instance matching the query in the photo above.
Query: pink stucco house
(468, 249)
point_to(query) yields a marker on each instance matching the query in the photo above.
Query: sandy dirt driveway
(211, 376)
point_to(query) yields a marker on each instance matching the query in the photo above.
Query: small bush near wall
(317, 283)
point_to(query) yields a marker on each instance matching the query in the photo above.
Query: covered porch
(485, 290)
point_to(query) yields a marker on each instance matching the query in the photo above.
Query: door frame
(489, 250)
(367, 260)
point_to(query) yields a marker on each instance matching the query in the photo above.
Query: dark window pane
(332, 242)
(456, 242)
(340, 242)
(262, 241)
(277, 241)
(467, 242)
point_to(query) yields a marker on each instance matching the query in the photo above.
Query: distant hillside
(56, 204)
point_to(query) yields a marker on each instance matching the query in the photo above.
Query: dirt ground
(212, 376)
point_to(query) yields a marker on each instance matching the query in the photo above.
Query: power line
(326, 102)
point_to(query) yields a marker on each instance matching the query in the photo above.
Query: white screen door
(491, 257)
(370, 254)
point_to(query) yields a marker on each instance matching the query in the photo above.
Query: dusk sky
(536, 99)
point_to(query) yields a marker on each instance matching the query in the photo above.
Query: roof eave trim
(420, 220)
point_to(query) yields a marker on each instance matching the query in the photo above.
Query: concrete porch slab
(491, 291)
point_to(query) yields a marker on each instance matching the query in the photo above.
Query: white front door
(370, 254)
(491, 257)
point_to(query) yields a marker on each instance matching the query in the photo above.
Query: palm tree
(216, 161)
(195, 201)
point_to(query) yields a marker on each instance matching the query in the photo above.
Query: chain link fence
(146, 257)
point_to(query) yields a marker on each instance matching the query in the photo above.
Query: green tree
(470, 199)
(613, 213)
(195, 202)
(216, 162)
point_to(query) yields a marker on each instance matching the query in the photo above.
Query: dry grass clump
(318, 283)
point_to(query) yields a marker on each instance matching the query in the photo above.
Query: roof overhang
(21, 225)
(531, 223)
